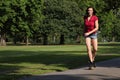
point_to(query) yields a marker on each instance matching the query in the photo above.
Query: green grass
(18, 61)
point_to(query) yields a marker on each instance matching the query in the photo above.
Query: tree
(55, 21)
(6, 16)
(112, 5)
(61, 17)
(35, 16)
(108, 26)
(28, 18)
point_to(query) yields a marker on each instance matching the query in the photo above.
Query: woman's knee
(95, 49)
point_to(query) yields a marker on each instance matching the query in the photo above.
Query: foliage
(55, 21)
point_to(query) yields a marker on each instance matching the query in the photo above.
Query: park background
(42, 36)
(55, 21)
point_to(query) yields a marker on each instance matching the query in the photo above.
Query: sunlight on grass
(44, 48)
(17, 61)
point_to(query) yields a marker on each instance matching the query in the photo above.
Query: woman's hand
(86, 34)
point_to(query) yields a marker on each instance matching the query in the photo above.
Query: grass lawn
(18, 61)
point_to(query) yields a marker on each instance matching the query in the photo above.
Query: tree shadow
(109, 53)
(68, 59)
(7, 72)
(111, 63)
(12, 76)
(65, 58)
(72, 77)
(109, 50)
(57, 58)
(110, 44)
(6, 69)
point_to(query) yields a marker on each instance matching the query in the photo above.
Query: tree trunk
(45, 39)
(54, 39)
(14, 40)
(62, 40)
(34, 39)
(3, 39)
(78, 39)
(27, 40)
(113, 39)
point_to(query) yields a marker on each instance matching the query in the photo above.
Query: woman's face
(90, 11)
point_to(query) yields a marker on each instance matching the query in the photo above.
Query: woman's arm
(95, 29)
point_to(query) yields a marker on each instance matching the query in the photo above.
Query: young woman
(90, 34)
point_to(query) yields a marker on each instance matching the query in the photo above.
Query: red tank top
(90, 25)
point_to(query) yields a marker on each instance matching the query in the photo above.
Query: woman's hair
(94, 11)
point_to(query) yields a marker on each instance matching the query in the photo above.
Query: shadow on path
(73, 77)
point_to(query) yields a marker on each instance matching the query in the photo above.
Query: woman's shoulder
(95, 17)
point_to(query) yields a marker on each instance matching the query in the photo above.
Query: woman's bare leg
(95, 47)
(89, 51)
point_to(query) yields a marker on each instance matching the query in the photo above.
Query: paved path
(106, 70)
